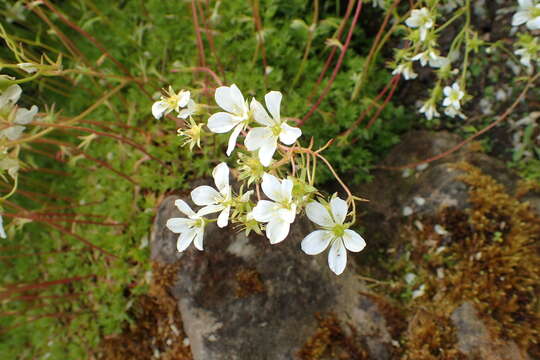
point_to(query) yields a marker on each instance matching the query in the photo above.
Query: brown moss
(248, 283)
(491, 258)
(330, 341)
(156, 326)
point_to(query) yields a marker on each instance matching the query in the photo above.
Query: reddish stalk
(200, 45)
(395, 81)
(338, 65)
(260, 37)
(210, 38)
(330, 57)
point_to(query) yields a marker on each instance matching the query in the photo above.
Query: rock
(242, 298)
(475, 341)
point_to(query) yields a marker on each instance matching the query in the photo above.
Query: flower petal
(273, 103)
(210, 209)
(277, 230)
(337, 257)
(185, 239)
(184, 208)
(256, 137)
(24, 116)
(159, 108)
(318, 214)
(316, 242)
(534, 24)
(178, 225)
(223, 218)
(264, 210)
(267, 150)
(11, 95)
(259, 114)
(237, 97)
(184, 98)
(353, 241)
(233, 138)
(287, 215)
(198, 241)
(224, 98)
(204, 195)
(271, 187)
(221, 122)
(221, 176)
(13, 132)
(289, 134)
(521, 17)
(339, 209)
(286, 190)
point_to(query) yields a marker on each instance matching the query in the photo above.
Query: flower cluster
(527, 46)
(286, 180)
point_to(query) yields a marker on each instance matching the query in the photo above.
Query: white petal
(271, 187)
(221, 176)
(534, 24)
(339, 209)
(521, 17)
(246, 196)
(447, 90)
(273, 103)
(525, 4)
(287, 215)
(198, 241)
(267, 150)
(446, 101)
(13, 132)
(256, 137)
(353, 241)
(264, 210)
(237, 97)
(184, 208)
(159, 108)
(204, 195)
(286, 190)
(223, 218)
(277, 230)
(318, 214)
(233, 138)
(184, 98)
(316, 242)
(210, 209)
(221, 122)
(259, 114)
(178, 225)
(224, 98)
(185, 239)
(289, 134)
(337, 257)
(11, 95)
(24, 116)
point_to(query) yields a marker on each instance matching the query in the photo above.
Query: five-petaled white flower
(453, 95)
(421, 19)
(334, 232)
(216, 200)
(429, 110)
(431, 57)
(528, 13)
(191, 229)
(279, 213)
(265, 138)
(406, 70)
(232, 101)
(172, 101)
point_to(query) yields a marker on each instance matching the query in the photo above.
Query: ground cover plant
(87, 155)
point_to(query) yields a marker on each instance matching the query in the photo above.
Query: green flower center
(276, 130)
(339, 230)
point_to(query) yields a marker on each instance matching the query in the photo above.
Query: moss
(330, 341)
(156, 327)
(491, 258)
(248, 283)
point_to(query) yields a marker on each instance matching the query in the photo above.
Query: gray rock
(475, 341)
(270, 315)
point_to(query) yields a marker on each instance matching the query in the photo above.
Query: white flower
(333, 233)
(232, 101)
(528, 13)
(431, 57)
(216, 200)
(429, 110)
(191, 229)
(265, 138)
(406, 70)
(421, 19)
(10, 96)
(279, 213)
(172, 101)
(452, 112)
(419, 292)
(453, 95)
(2, 231)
